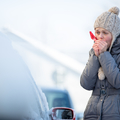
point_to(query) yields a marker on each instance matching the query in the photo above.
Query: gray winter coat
(104, 103)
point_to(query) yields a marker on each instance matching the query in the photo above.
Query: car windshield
(19, 95)
(57, 99)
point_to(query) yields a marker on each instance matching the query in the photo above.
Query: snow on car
(19, 95)
(20, 98)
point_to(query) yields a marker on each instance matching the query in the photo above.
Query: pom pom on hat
(114, 10)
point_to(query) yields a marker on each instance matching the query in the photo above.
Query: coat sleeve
(90, 73)
(110, 69)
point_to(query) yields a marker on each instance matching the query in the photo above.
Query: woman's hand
(96, 50)
(99, 47)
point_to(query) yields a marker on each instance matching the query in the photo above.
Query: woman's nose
(100, 35)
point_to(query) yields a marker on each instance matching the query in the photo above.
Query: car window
(57, 99)
(19, 94)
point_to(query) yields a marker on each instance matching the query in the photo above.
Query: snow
(61, 24)
(19, 95)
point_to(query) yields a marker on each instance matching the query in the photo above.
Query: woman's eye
(98, 33)
(105, 32)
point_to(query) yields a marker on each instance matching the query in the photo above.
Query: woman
(102, 72)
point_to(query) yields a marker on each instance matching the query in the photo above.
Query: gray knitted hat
(110, 21)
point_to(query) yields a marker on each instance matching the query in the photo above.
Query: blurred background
(52, 36)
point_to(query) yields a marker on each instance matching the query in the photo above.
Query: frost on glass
(19, 95)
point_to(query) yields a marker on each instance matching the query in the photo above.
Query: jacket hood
(116, 46)
(115, 51)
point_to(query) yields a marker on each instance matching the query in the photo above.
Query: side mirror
(59, 113)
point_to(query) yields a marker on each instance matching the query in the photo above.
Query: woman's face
(103, 34)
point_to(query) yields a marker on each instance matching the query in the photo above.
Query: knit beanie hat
(110, 21)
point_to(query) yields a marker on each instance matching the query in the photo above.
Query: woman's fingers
(102, 45)
(96, 50)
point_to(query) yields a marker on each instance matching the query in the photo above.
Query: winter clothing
(100, 102)
(110, 21)
(104, 103)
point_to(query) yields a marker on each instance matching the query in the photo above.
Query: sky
(63, 25)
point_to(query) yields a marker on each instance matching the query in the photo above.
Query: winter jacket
(104, 103)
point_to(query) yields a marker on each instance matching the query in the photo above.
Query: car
(20, 98)
(59, 113)
(57, 97)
